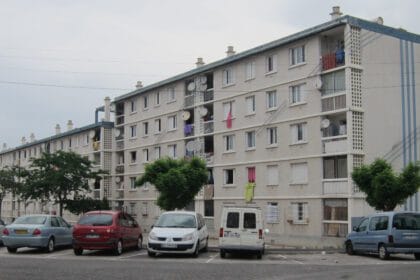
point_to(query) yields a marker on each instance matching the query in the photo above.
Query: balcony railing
(332, 60)
(335, 186)
(119, 120)
(119, 169)
(120, 145)
(335, 145)
(333, 103)
(208, 95)
(208, 127)
(189, 100)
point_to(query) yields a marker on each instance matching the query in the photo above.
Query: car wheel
(78, 251)
(349, 248)
(118, 248)
(151, 254)
(206, 248)
(197, 249)
(222, 254)
(139, 243)
(383, 253)
(11, 250)
(417, 256)
(50, 245)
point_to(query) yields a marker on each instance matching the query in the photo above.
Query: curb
(291, 251)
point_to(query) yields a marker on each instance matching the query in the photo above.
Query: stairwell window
(298, 133)
(297, 55)
(271, 99)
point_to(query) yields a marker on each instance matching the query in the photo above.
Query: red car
(106, 230)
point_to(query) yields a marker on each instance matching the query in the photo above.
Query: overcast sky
(60, 58)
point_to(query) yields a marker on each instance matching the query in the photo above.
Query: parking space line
(52, 256)
(211, 258)
(281, 256)
(130, 256)
(297, 261)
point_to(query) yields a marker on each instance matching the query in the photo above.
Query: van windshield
(176, 221)
(407, 221)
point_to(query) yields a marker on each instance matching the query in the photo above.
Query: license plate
(21, 231)
(92, 236)
(169, 245)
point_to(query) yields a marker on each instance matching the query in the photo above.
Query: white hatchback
(178, 232)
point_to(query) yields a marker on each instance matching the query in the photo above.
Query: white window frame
(296, 94)
(133, 156)
(146, 128)
(228, 77)
(272, 175)
(297, 55)
(157, 98)
(250, 140)
(250, 104)
(271, 97)
(272, 139)
(229, 143)
(228, 106)
(249, 70)
(133, 131)
(145, 155)
(299, 173)
(133, 106)
(171, 94)
(133, 183)
(158, 126)
(300, 212)
(145, 102)
(270, 64)
(157, 152)
(299, 133)
(172, 151)
(172, 123)
(226, 176)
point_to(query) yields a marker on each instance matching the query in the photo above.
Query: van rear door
(232, 232)
(406, 229)
(250, 234)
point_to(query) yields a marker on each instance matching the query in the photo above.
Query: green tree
(82, 204)
(59, 176)
(383, 188)
(178, 181)
(11, 180)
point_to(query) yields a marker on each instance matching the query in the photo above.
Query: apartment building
(280, 126)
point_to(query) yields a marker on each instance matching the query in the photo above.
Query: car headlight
(153, 236)
(188, 237)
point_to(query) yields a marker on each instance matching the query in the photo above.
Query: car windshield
(176, 220)
(407, 221)
(30, 220)
(96, 220)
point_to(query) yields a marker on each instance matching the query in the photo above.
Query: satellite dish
(197, 146)
(191, 86)
(203, 111)
(318, 83)
(325, 123)
(203, 79)
(117, 133)
(203, 87)
(92, 134)
(186, 115)
(117, 179)
(190, 146)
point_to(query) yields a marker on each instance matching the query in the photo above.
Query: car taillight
(5, 231)
(221, 232)
(390, 238)
(260, 234)
(36, 232)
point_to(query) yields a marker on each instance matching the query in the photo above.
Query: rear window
(250, 220)
(407, 221)
(96, 220)
(30, 220)
(232, 220)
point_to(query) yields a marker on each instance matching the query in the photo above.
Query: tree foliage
(383, 188)
(81, 204)
(178, 181)
(59, 176)
(11, 180)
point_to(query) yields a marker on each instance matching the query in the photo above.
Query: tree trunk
(61, 208)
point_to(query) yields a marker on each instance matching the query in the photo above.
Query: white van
(241, 230)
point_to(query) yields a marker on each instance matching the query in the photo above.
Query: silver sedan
(37, 231)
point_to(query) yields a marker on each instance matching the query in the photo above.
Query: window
(133, 156)
(132, 183)
(335, 167)
(172, 123)
(157, 152)
(133, 131)
(333, 82)
(157, 98)
(158, 126)
(228, 107)
(250, 220)
(250, 70)
(228, 176)
(228, 77)
(229, 143)
(335, 209)
(272, 136)
(250, 105)
(271, 64)
(209, 208)
(232, 220)
(251, 174)
(133, 107)
(171, 94)
(378, 223)
(145, 155)
(69, 146)
(271, 99)
(300, 212)
(298, 133)
(272, 175)
(145, 128)
(172, 151)
(296, 95)
(299, 173)
(272, 213)
(297, 55)
(250, 139)
(146, 102)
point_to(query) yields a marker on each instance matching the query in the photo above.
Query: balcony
(333, 103)
(189, 101)
(189, 130)
(335, 186)
(119, 169)
(96, 145)
(208, 127)
(119, 145)
(335, 145)
(119, 120)
(208, 95)
(333, 60)
(96, 194)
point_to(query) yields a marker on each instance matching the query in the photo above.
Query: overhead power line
(61, 86)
